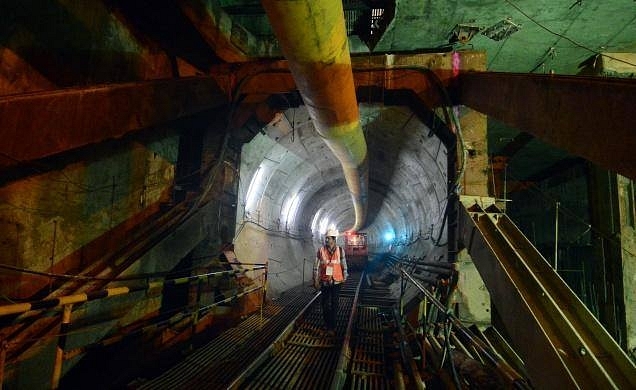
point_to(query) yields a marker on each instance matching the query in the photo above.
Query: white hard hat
(331, 233)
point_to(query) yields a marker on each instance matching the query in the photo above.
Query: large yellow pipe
(313, 38)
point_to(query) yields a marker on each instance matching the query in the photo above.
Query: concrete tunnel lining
(407, 190)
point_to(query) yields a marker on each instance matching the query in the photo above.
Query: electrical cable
(494, 57)
(280, 233)
(447, 330)
(184, 310)
(549, 200)
(449, 114)
(235, 100)
(211, 179)
(483, 349)
(144, 276)
(551, 52)
(451, 119)
(565, 37)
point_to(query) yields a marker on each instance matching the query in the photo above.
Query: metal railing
(66, 303)
(490, 356)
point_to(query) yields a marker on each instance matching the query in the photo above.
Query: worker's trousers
(330, 294)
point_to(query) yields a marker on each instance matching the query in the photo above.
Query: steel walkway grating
(308, 358)
(367, 367)
(219, 362)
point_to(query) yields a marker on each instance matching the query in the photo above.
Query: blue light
(389, 236)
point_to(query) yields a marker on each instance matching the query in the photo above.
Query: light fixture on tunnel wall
(501, 30)
(315, 219)
(254, 189)
(324, 224)
(289, 210)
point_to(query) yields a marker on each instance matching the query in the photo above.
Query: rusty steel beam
(560, 341)
(425, 74)
(38, 125)
(591, 117)
(208, 24)
(255, 81)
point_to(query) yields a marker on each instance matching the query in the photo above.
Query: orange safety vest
(330, 260)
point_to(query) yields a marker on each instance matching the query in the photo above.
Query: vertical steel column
(556, 238)
(61, 344)
(196, 310)
(3, 358)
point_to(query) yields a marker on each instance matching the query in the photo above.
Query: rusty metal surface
(370, 366)
(308, 357)
(368, 363)
(289, 349)
(258, 79)
(207, 24)
(29, 330)
(561, 343)
(219, 362)
(255, 81)
(61, 120)
(591, 117)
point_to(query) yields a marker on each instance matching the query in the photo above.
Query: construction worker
(330, 271)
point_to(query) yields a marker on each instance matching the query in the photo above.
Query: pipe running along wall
(313, 38)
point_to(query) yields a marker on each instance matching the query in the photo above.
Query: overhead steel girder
(254, 82)
(591, 117)
(427, 75)
(38, 125)
(209, 22)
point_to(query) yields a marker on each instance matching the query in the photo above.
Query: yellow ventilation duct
(313, 38)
